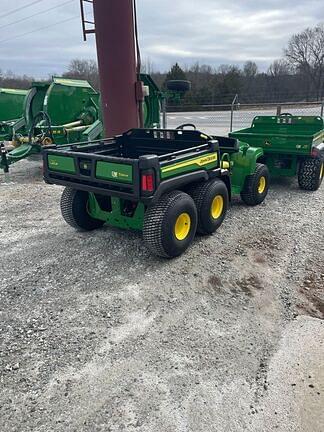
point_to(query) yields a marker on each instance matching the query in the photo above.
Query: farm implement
(59, 111)
(11, 111)
(292, 145)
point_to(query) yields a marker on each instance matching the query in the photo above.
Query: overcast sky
(209, 31)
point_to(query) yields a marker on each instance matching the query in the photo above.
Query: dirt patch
(215, 282)
(249, 285)
(265, 246)
(259, 259)
(313, 292)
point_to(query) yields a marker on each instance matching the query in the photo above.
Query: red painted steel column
(115, 36)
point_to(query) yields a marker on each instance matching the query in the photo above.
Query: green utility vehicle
(11, 111)
(168, 183)
(64, 111)
(293, 145)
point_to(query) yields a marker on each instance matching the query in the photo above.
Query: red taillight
(147, 182)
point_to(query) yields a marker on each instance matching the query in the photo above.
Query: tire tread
(153, 223)
(249, 194)
(309, 174)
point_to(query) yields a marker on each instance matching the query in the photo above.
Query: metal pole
(116, 49)
(322, 109)
(232, 111)
(279, 110)
(164, 113)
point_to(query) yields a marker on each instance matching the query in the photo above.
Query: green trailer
(292, 145)
(11, 111)
(169, 184)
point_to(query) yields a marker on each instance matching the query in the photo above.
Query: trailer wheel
(310, 174)
(170, 225)
(256, 186)
(211, 199)
(74, 208)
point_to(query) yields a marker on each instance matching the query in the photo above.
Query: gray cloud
(208, 31)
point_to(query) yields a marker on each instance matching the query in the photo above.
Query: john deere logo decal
(113, 171)
(205, 160)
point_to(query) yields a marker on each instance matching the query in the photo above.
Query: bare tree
(279, 68)
(305, 52)
(250, 69)
(147, 66)
(84, 69)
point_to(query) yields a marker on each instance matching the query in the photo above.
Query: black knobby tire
(203, 195)
(310, 174)
(160, 221)
(251, 193)
(74, 208)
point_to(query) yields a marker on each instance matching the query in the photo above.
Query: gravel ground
(96, 335)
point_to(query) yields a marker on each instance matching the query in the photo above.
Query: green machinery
(62, 111)
(168, 183)
(11, 111)
(292, 145)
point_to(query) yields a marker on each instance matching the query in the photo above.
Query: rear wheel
(74, 208)
(170, 225)
(311, 174)
(256, 186)
(211, 199)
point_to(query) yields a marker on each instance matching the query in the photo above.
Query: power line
(20, 8)
(38, 30)
(36, 14)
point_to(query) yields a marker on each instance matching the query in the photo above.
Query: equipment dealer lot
(97, 335)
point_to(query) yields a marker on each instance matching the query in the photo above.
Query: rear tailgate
(108, 175)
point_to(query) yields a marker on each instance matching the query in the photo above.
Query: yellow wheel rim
(262, 185)
(322, 171)
(217, 207)
(182, 226)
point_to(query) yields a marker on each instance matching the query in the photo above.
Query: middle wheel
(211, 199)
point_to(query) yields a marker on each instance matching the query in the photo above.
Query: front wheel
(170, 225)
(256, 186)
(74, 208)
(311, 174)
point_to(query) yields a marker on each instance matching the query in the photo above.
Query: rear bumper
(164, 187)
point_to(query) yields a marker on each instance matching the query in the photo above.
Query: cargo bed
(115, 166)
(283, 134)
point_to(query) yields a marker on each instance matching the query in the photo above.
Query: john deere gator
(170, 184)
(292, 145)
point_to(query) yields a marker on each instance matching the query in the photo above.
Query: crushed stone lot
(97, 335)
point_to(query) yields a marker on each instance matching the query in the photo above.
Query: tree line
(297, 76)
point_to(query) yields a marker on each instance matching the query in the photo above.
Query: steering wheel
(181, 127)
(46, 134)
(286, 115)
